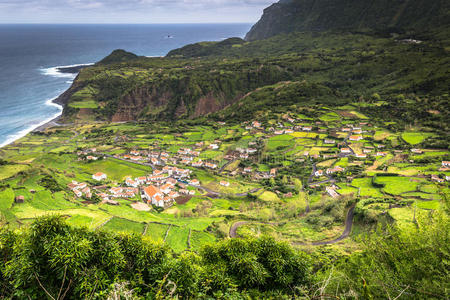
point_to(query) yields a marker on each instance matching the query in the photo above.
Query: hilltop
(386, 16)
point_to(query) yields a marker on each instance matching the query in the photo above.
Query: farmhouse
(381, 153)
(152, 193)
(210, 165)
(318, 173)
(356, 137)
(197, 164)
(195, 182)
(131, 182)
(446, 163)
(256, 124)
(224, 183)
(436, 178)
(99, 176)
(346, 150)
(416, 151)
(335, 170)
(19, 199)
(248, 170)
(328, 141)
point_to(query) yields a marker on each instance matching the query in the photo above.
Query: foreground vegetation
(51, 259)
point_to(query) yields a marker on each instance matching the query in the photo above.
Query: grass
(156, 232)
(198, 239)
(8, 171)
(428, 204)
(269, 197)
(414, 138)
(366, 188)
(80, 221)
(119, 224)
(44, 200)
(280, 141)
(398, 185)
(329, 117)
(6, 199)
(84, 104)
(116, 169)
(177, 238)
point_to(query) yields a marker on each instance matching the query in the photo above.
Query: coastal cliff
(140, 88)
(354, 15)
(336, 44)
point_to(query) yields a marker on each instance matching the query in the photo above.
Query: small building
(436, 178)
(195, 182)
(335, 170)
(416, 151)
(19, 199)
(318, 173)
(346, 150)
(446, 163)
(224, 183)
(99, 176)
(356, 137)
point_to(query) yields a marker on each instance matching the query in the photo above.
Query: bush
(50, 256)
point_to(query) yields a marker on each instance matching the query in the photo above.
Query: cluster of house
(445, 167)
(164, 186)
(329, 171)
(88, 154)
(80, 189)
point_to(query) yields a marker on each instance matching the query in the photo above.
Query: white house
(99, 176)
(224, 183)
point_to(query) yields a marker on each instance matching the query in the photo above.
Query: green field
(119, 224)
(415, 138)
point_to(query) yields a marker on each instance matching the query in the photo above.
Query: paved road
(235, 226)
(344, 235)
(226, 165)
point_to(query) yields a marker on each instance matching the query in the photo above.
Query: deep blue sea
(29, 55)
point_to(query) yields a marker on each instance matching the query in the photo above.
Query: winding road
(344, 235)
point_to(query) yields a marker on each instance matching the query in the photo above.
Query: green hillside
(388, 16)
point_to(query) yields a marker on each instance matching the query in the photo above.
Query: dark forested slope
(355, 15)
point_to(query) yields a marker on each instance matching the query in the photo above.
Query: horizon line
(174, 23)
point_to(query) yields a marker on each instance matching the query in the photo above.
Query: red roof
(152, 191)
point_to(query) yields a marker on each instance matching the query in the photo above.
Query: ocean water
(30, 55)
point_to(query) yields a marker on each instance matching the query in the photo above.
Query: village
(331, 148)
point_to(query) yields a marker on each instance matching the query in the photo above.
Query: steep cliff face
(320, 15)
(163, 88)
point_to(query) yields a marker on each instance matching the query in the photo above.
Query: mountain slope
(355, 15)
